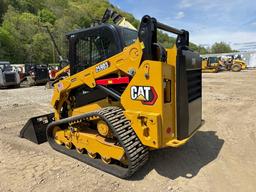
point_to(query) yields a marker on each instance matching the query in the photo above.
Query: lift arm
(117, 19)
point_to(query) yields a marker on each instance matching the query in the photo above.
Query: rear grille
(194, 84)
(41, 74)
(10, 77)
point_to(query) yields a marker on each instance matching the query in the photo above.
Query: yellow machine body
(240, 62)
(155, 125)
(62, 71)
(208, 67)
(141, 98)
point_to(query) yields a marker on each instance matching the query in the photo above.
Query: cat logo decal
(146, 94)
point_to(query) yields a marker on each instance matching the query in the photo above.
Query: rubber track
(137, 154)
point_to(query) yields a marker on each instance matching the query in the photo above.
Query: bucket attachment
(35, 129)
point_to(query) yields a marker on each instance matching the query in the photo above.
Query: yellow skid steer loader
(126, 95)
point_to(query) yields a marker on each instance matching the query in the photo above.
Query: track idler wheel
(103, 129)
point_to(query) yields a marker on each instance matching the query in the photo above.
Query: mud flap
(35, 129)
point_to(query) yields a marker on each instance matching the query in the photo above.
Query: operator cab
(213, 59)
(90, 46)
(5, 66)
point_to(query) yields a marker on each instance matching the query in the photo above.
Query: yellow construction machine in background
(215, 64)
(234, 64)
(210, 65)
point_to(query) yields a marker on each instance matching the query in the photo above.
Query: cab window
(92, 49)
(129, 36)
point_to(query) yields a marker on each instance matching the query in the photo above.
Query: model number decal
(102, 67)
(146, 94)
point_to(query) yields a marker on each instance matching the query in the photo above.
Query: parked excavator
(125, 95)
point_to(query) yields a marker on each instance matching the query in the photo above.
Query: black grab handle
(148, 35)
(169, 28)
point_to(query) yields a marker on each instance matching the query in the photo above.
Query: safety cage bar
(148, 35)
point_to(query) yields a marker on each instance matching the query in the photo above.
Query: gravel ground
(220, 157)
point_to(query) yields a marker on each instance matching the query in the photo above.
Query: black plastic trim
(182, 113)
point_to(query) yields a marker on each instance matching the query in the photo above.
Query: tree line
(23, 38)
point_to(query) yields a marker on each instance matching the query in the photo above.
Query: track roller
(111, 145)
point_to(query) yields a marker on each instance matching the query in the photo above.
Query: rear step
(35, 128)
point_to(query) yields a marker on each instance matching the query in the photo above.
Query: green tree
(165, 40)
(45, 15)
(24, 43)
(31, 6)
(40, 50)
(221, 47)
(3, 9)
(22, 27)
(7, 44)
(23, 38)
